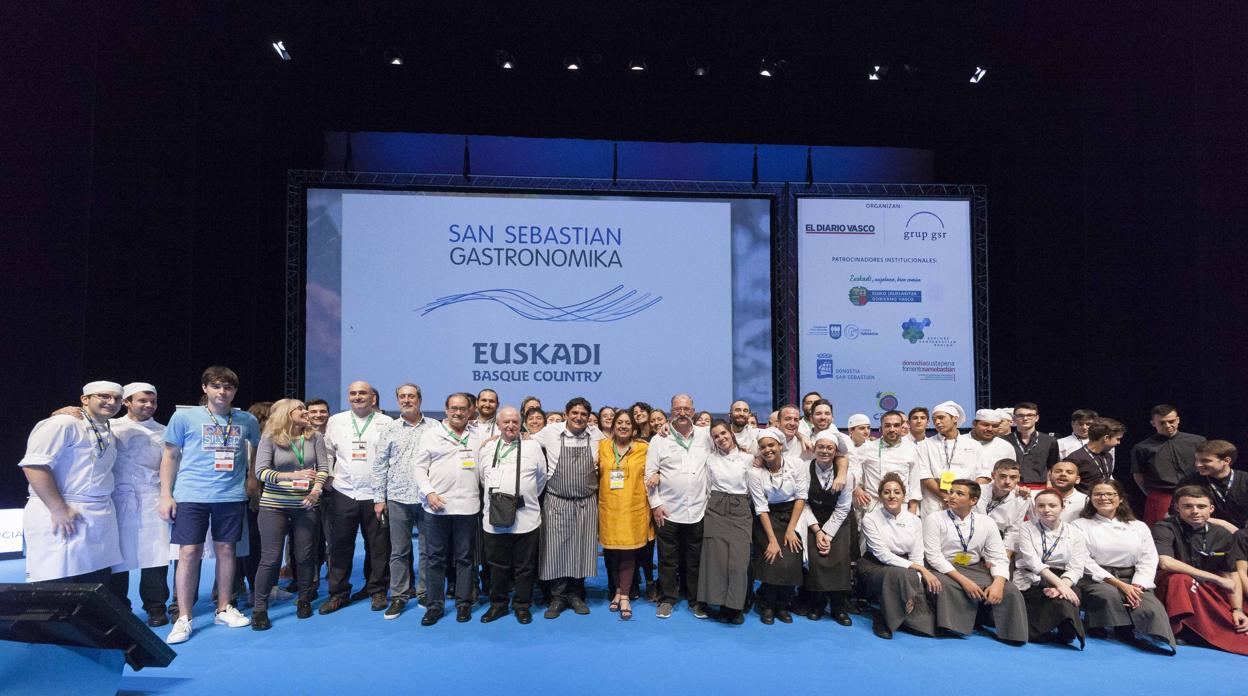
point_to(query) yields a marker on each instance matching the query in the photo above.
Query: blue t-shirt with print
(202, 478)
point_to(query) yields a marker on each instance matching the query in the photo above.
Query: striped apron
(570, 513)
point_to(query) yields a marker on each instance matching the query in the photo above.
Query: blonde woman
(292, 465)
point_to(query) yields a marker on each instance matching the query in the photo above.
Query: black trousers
(679, 544)
(564, 588)
(510, 559)
(449, 536)
(274, 524)
(350, 515)
(153, 587)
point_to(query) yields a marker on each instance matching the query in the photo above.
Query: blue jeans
(449, 536)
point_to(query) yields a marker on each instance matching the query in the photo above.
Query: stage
(600, 654)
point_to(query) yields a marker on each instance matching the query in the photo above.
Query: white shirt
(747, 439)
(1119, 544)
(729, 473)
(894, 540)
(793, 448)
(549, 437)
(1008, 513)
(484, 429)
(501, 477)
(844, 501)
(682, 488)
(447, 465)
(352, 444)
(1072, 506)
(791, 482)
(909, 437)
(983, 542)
(66, 445)
(1069, 444)
(959, 455)
(1066, 547)
(992, 452)
(140, 445)
(878, 458)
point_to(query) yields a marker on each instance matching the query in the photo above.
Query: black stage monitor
(85, 615)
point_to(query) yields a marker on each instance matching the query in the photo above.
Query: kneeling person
(964, 548)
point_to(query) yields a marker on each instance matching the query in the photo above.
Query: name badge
(946, 480)
(466, 460)
(617, 479)
(301, 484)
(359, 450)
(223, 460)
(962, 558)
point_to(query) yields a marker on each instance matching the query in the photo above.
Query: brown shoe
(379, 601)
(332, 605)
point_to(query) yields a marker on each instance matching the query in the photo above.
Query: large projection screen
(617, 298)
(885, 302)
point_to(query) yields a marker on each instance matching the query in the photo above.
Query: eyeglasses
(1018, 416)
(1104, 495)
(456, 409)
(106, 397)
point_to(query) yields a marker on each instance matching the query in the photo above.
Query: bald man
(351, 441)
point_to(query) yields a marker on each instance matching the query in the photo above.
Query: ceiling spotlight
(769, 68)
(393, 57)
(978, 75)
(572, 62)
(700, 68)
(505, 60)
(280, 47)
(877, 72)
(637, 65)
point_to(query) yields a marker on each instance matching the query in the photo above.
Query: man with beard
(1160, 461)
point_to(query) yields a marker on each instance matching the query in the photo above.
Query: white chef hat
(951, 408)
(988, 415)
(1007, 414)
(773, 433)
(857, 419)
(135, 387)
(830, 435)
(101, 386)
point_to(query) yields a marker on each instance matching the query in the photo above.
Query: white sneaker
(277, 594)
(181, 631)
(229, 616)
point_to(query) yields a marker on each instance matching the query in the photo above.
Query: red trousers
(1202, 608)
(1157, 505)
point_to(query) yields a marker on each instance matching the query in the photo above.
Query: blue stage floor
(599, 654)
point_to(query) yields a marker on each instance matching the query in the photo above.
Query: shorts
(190, 524)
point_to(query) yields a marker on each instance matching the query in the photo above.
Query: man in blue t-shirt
(203, 476)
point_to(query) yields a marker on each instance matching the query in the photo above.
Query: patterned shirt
(394, 468)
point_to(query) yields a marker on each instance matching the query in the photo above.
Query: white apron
(143, 535)
(93, 546)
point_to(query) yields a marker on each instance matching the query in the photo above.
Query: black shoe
(578, 605)
(813, 614)
(494, 613)
(260, 621)
(379, 601)
(463, 613)
(332, 605)
(652, 592)
(556, 608)
(157, 618)
(842, 618)
(524, 616)
(1099, 632)
(783, 616)
(357, 596)
(423, 600)
(768, 616)
(737, 618)
(303, 609)
(431, 617)
(395, 609)
(880, 629)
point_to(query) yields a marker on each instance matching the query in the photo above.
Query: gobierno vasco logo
(859, 296)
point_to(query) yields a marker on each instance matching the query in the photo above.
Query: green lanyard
(620, 457)
(461, 442)
(299, 452)
(359, 432)
(686, 444)
(500, 456)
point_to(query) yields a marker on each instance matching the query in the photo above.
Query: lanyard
(994, 504)
(1203, 534)
(101, 441)
(618, 456)
(966, 542)
(1045, 550)
(359, 432)
(225, 435)
(461, 442)
(686, 444)
(498, 457)
(1224, 492)
(949, 451)
(1102, 465)
(1025, 448)
(299, 451)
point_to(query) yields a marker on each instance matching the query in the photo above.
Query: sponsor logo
(823, 366)
(912, 329)
(931, 370)
(886, 401)
(834, 331)
(852, 332)
(925, 226)
(859, 296)
(838, 228)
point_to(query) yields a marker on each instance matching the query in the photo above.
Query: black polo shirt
(1093, 468)
(1230, 495)
(1211, 548)
(1035, 457)
(1163, 461)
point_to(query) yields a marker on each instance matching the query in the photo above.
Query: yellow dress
(623, 513)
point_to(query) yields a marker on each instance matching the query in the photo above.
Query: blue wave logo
(613, 305)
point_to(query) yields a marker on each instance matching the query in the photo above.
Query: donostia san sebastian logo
(912, 329)
(925, 226)
(858, 296)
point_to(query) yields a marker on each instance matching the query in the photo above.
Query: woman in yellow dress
(623, 509)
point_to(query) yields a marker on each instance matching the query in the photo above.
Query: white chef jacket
(1072, 506)
(496, 473)
(876, 458)
(1008, 513)
(894, 540)
(941, 542)
(1066, 547)
(682, 489)
(729, 473)
(1119, 544)
(992, 452)
(352, 466)
(143, 535)
(792, 482)
(938, 454)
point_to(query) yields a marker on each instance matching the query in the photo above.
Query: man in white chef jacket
(69, 523)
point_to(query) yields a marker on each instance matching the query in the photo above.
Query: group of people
(1004, 527)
